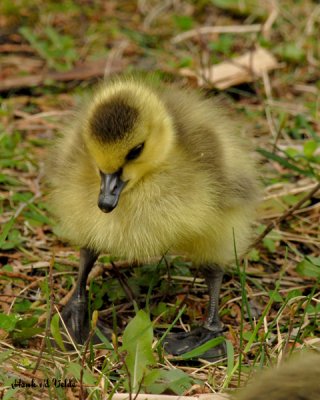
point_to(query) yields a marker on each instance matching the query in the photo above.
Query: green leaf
(269, 244)
(309, 148)
(183, 22)
(284, 162)
(247, 335)
(22, 305)
(291, 152)
(57, 49)
(25, 362)
(225, 4)
(36, 216)
(243, 7)
(276, 296)
(313, 309)
(151, 377)
(13, 240)
(88, 378)
(160, 308)
(8, 322)
(308, 268)
(5, 354)
(5, 231)
(314, 260)
(74, 370)
(55, 331)
(254, 255)
(27, 333)
(107, 345)
(26, 322)
(291, 51)
(7, 179)
(223, 44)
(293, 293)
(230, 357)
(199, 351)
(115, 291)
(174, 380)
(137, 342)
(10, 393)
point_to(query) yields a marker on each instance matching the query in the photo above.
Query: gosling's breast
(154, 219)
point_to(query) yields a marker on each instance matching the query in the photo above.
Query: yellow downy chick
(297, 379)
(149, 169)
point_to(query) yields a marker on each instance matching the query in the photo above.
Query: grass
(270, 302)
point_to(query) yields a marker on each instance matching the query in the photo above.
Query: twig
(71, 341)
(84, 71)
(121, 357)
(271, 19)
(123, 282)
(25, 204)
(15, 48)
(18, 275)
(288, 190)
(51, 303)
(139, 387)
(44, 114)
(154, 13)
(94, 319)
(114, 58)
(207, 396)
(207, 30)
(290, 211)
(272, 126)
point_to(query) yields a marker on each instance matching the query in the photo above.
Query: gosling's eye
(135, 152)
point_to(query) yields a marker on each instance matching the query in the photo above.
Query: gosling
(148, 169)
(297, 379)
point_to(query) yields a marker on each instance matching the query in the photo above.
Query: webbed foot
(76, 319)
(181, 343)
(75, 313)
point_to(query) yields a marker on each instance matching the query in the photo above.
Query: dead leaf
(245, 68)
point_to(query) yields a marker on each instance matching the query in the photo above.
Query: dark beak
(111, 188)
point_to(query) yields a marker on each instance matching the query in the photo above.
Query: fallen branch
(125, 396)
(211, 30)
(289, 212)
(18, 275)
(85, 71)
(47, 329)
(15, 48)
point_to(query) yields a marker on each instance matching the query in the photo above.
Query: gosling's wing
(212, 141)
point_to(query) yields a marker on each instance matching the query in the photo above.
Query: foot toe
(76, 321)
(180, 343)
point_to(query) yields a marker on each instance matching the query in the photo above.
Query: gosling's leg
(75, 312)
(181, 343)
(213, 277)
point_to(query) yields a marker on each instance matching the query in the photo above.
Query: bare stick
(47, 329)
(209, 30)
(290, 211)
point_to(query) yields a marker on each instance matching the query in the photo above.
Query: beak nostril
(110, 190)
(113, 187)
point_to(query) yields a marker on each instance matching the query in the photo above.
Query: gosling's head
(129, 134)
